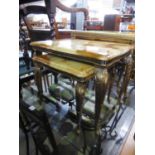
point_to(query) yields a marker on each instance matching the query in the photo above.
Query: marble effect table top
(96, 51)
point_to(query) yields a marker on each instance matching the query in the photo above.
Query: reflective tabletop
(93, 52)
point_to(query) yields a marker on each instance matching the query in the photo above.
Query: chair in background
(36, 34)
(23, 128)
(26, 130)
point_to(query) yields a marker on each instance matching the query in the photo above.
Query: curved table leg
(128, 72)
(126, 79)
(80, 89)
(111, 81)
(101, 83)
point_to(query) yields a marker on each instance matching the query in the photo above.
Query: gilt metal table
(102, 55)
(80, 72)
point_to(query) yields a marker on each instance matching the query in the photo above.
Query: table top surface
(114, 36)
(78, 70)
(125, 35)
(93, 52)
(130, 35)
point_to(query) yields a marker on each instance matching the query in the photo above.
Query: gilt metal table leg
(47, 80)
(101, 82)
(55, 77)
(111, 81)
(129, 66)
(121, 69)
(80, 89)
(126, 79)
(44, 80)
(38, 80)
(122, 92)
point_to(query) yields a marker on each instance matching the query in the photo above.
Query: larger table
(102, 55)
(112, 36)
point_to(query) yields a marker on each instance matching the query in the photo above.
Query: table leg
(126, 79)
(128, 75)
(101, 83)
(38, 80)
(120, 68)
(44, 80)
(80, 89)
(111, 81)
(55, 77)
(47, 80)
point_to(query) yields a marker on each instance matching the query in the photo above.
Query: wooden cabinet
(112, 22)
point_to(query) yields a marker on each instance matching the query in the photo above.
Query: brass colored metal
(111, 81)
(128, 71)
(101, 84)
(47, 80)
(45, 85)
(120, 69)
(126, 79)
(80, 89)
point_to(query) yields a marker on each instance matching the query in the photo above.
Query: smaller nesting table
(81, 72)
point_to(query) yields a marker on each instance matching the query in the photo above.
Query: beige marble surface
(114, 36)
(94, 50)
(73, 68)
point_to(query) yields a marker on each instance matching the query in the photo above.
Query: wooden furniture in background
(111, 22)
(63, 33)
